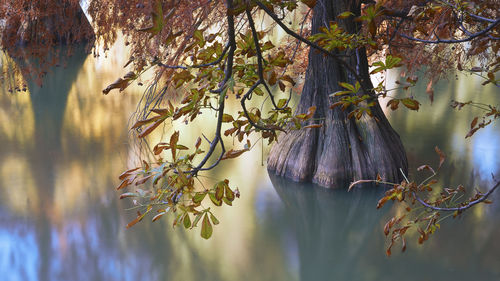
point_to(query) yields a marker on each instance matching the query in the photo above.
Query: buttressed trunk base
(343, 149)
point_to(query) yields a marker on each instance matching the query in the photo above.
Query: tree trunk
(342, 149)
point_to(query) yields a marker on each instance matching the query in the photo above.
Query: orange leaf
(173, 143)
(144, 122)
(233, 153)
(150, 128)
(314, 126)
(442, 157)
(473, 123)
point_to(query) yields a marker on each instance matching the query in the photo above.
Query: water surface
(63, 145)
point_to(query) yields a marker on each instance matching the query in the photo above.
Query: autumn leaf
(118, 84)
(233, 153)
(442, 157)
(313, 126)
(150, 128)
(173, 143)
(206, 227)
(411, 103)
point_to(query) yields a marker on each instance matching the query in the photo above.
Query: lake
(64, 144)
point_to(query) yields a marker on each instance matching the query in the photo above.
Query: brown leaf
(150, 128)
(430, 91)
(394, 103)
(127, 173)
(426, 167)
(173, 143)
(474, 123)
(123, 184)
(411, 103)
(144, 122)
(233, 153)
(132, 223)
(313, 126)
(118, 84)
(198, 143)
(442, 157)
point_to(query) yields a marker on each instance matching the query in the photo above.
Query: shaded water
(63, 145)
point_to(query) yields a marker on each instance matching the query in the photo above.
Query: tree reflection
(333, 228)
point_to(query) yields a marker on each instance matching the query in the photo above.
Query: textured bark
(343, 149)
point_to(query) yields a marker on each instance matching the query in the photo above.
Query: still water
(62, 146)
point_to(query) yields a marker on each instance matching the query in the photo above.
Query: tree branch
(454, 41)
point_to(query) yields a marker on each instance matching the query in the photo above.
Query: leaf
(282, 103)
(474, 123)
(426, 167)
(219, 191)
(313, 126)
(150, 128)
(124, 183)
(430, 91)
(206, 227)
(144, 122)
(442, 157)
(186, 221)
(118, 84)
(227, 118)
(215, 221)
(199, 197)
(173, 143)
(394, 103)
(132, 223)
(345, 15)
(411, 103)
(233, 153)
(225, 200)
(127, 173)
(229, 193)
(128, 195)
(196, 220)
(158, 216)
(198, 143)
(214, 199)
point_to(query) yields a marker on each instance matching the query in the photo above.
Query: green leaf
(217, 202)
(219, 191)
(199, 197)
(196, 220)
(229, 193)
(345, 15)
(227, 118)
(187, 221)
(206, 227)
(282, 103)
(214, 219)
(225, 200)
(348, 86)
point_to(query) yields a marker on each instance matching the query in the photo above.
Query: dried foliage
(423, 210)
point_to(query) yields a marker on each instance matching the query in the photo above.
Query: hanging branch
(228, 73)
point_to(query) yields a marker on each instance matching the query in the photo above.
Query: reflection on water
(63, 144)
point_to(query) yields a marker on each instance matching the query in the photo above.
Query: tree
(208, 52)
(30, 30)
